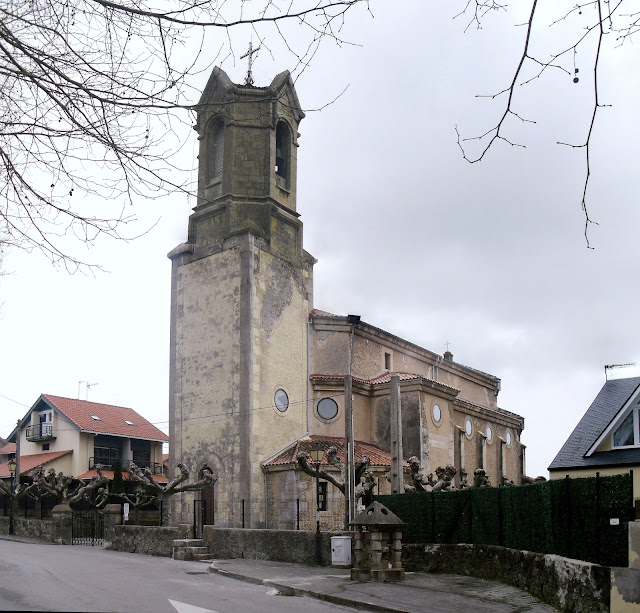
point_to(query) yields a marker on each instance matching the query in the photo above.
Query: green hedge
(568, 517)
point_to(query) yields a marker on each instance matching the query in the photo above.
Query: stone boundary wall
(297, 546)
(28, 527)
(569, 585)
(150, 540)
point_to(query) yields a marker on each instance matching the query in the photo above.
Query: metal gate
(202, 516)
(87, 528)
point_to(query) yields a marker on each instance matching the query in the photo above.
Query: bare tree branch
(607, 18)
(95, 98)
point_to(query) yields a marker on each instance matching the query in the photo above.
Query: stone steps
(189, 549)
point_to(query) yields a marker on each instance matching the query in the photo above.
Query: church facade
(255, 368)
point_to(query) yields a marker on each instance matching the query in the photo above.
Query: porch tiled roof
(378, 456)
(125, 475)
(29, 462)
(8, 448)
(113, 419)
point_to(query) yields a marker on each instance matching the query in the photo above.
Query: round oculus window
(489, 433)
(281, 400)
(468, 428)
(508, 437)
(437, 413)
(327, 408)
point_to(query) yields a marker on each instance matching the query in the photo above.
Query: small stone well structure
(378, 545)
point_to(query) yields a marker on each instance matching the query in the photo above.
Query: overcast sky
(490, 257)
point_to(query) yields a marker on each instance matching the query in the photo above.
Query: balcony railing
(40, 432)
(107, 464)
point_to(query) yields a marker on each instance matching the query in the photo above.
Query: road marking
(183, 607)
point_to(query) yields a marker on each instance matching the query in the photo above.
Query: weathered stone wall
(150, 540)
(569, 585)
(297, 546)
(29, 527)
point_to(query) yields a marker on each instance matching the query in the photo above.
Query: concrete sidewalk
(418, 593)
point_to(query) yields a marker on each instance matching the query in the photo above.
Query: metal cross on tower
(249, 78)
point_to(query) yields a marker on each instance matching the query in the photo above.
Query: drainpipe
(266, 506)
(308, 373)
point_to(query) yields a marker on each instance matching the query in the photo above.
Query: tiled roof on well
(29, 462)
(377, 456)
(112, 419)
(611, 398)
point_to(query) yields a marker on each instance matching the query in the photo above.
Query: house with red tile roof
(73, 436)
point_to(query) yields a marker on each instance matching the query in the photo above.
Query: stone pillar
(395, 550)
(634, 544)
(185, 531)
(112, 517)
(397, 476)
(62, 524)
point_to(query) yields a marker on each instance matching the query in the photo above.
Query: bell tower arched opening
(283, 154)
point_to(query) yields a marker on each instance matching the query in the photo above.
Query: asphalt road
(37, 577)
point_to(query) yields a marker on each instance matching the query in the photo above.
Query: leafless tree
(66, 489)
(361, 466)
(92, 91)
(595, 28)
(164, 491)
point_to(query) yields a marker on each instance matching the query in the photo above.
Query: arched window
(218, 150)
(283, 153)
(215, 153)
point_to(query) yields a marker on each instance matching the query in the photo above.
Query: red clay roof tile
(125, 475)
(113, 420)
(29, 462)
(377, 456)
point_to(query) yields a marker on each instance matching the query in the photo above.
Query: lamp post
(317, 454)
(12, 470)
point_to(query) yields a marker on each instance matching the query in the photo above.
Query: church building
(257, 371)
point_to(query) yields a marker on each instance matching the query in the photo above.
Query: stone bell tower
(241, 292)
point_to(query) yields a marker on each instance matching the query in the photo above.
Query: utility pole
(397, 477)
(350, 480)
(349, 485)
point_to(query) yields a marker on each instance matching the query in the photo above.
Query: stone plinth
(112, 517)
(377, 545)
(62, 524)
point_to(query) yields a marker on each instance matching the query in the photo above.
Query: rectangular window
(105, 455)
(626, 435)
(322, 495)
(142, 459)
(45, 447)
(387, 361)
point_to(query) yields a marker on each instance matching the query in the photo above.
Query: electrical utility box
(341, 551)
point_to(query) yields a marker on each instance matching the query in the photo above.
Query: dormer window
(95, 417)
(283, 154)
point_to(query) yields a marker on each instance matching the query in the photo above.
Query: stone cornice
(499, 416)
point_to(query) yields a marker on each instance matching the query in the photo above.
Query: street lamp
(12, 470)
(317, 454)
